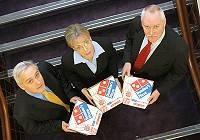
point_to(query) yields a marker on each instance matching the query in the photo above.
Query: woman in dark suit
(87, 60)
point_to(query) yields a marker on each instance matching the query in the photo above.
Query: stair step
(40, 10)
(64, 17)
(91, 25)
(11, 6)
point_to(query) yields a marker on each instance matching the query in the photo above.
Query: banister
(5, 122)
(185, 28)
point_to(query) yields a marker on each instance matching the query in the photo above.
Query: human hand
(87, 95)
(75, 99)
(154, 96)
(126, 69)
(65, 127)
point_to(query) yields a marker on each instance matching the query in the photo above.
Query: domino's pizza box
(136, 91)
(85, 118)
(106, 94)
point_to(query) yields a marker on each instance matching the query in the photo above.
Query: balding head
(153, 22)
(151, 10)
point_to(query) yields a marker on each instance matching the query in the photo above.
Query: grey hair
(73, 31)
(20, 68)
(153, 9)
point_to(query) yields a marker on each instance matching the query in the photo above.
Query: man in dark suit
(154, 51)
(41, 105)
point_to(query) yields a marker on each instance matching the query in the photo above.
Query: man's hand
(126, 69)
(154, 96)
(87, 95)
(75, 99)
(65, 127)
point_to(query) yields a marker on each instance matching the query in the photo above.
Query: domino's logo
(141, 87)
(107, 88)
(81, 113)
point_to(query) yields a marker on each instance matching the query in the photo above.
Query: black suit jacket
(37, 116)
(80, 74)
(168, 63)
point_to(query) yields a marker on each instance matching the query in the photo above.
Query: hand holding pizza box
(106, 94)
(85, 118)
(136, 91)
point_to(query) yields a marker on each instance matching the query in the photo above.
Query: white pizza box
(136, 91)
(85, 118)
(106, 94)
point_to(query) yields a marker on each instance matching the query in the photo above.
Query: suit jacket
(80, 74)
(38, 116)
(168, 63)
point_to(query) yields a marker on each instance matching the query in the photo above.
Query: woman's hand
(87, 95)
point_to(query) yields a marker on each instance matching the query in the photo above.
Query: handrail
(184, 23)
(5, 122)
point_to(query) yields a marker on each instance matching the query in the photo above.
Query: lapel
(38, 109)
(82, 68)
(101, 62)
(85, 70)
(156, 57)
(137, 44)
(54, 85)
(38, 103)
(103, 58)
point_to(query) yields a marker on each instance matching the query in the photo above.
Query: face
(32, 81)
(83, 45)
(153, 26)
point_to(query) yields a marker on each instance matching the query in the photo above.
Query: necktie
(51, 97)
(141, 58)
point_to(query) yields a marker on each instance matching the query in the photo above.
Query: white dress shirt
(153, 45)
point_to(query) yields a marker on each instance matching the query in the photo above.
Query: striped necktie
(51, 97)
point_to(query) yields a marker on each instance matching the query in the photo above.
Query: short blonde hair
(73, 31)
(20, 68)
(153, 9)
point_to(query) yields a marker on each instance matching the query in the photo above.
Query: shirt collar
(37, 94)
(97, 51)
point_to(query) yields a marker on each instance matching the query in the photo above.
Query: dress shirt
(153, 45)
(39, 95)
